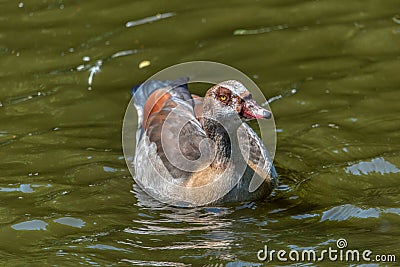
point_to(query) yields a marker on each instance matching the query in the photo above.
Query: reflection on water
(328, 68)
(30, 225)
(73, 222)
(157, 218)
(377, 165)
(149, 19)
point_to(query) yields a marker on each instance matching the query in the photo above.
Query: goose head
(231, 99)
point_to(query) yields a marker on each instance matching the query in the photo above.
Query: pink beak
(251, 110)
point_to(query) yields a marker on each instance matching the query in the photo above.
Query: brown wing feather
(154, 104)
(160, 119)
(256, 156)
(198, 106)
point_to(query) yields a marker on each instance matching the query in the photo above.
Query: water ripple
(70, 221)
(155, 263)
(376, 165)
(344, 212)
(261, 30)
(30, 225)
(149, 19)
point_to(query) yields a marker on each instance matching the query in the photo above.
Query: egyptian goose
(194, 151)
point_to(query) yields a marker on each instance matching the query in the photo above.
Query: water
(330, 69)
